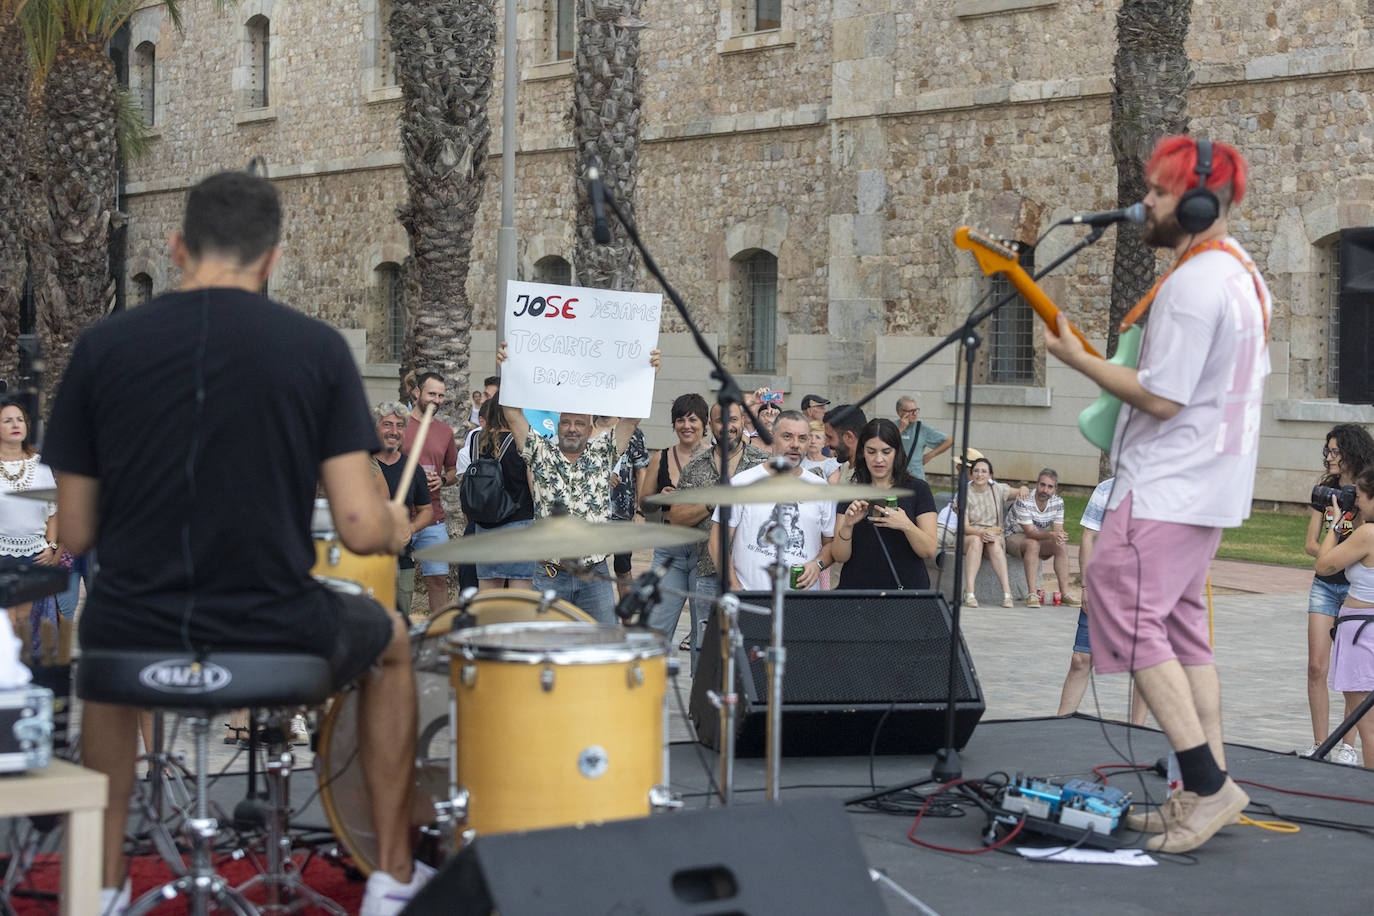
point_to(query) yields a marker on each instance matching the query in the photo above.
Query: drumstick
(413, 459)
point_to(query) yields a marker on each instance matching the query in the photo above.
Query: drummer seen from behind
(807, 527)
(228, 466)
(575, 471)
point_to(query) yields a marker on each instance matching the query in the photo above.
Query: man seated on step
(1035, 531)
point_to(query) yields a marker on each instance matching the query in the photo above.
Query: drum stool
(200, 690)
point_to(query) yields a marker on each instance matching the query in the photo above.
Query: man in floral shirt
(575, 470)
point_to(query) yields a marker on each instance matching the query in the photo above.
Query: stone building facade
(800, 184)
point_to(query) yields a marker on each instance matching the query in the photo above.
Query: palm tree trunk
(15, 79)
(446, 55)
(607, 122)
(69, 251)
(1149, 101)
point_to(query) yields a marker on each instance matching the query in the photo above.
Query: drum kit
(531, 715)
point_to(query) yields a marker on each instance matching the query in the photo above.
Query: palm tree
(1149, 100)
(15, 80)
(445, 56)
(607, 122)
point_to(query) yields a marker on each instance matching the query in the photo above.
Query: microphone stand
(728, 395)
(947, 766)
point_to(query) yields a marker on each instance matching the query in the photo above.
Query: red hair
(1174, 159)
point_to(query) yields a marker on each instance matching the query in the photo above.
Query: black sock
(1200, 771)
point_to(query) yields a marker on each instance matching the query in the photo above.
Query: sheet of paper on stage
(1087, 856)
(569, 348)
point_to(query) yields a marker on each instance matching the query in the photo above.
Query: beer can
(796, 576)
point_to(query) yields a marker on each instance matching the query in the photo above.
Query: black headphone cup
(1198, 207)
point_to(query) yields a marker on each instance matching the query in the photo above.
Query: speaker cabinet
(860, 664)
(746, 860)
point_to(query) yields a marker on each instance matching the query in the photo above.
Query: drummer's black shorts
(362, 630)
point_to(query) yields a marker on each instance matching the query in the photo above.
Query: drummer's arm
(77, 497)
(366, 523)
(686, 515)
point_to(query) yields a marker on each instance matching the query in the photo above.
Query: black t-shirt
(868, 567)
(417, 498)
(514, 474)
(280, 395)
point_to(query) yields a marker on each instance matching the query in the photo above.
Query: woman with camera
(1352, 654)
(883, 545)
(1348, 452)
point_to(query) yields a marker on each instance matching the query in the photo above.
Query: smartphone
(875, 510)
(771, 397)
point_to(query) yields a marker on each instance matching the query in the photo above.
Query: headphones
(1198, 208)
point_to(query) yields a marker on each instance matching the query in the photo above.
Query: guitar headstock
(994, 255)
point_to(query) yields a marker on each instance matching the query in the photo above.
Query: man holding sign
(575, 471)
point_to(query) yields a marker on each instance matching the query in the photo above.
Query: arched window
(259, 38)
(757, 288)
(561, 29)
(1011, 345)
(144, 81)
(553, 269)
(386, 58)
(767, 15)
(391, 298)
(143, 288)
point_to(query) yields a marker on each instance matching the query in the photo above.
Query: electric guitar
(1097, 422)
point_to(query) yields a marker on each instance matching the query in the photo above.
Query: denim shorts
(506, 570)
(1080, 639)
(1325, 598)
(428, 537)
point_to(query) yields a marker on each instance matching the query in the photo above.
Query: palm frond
(130, 128)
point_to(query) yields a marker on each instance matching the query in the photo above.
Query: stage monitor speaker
(859, 663)
(746, 860)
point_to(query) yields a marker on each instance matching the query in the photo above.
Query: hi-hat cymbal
(558, 536)
(778, 488)
(45, 495)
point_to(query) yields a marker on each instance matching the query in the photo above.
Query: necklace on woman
(25, 471)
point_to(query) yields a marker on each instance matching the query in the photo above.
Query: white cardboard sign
(580, 350)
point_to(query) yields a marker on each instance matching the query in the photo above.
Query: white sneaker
(299, 733)
(114, 901)
(1344, 753)
(1310, 751)
(385, 896)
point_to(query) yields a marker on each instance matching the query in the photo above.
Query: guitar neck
(1041, 303)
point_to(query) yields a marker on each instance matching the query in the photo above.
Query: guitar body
(1097, 422)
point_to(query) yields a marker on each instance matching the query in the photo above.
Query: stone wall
(850, 143)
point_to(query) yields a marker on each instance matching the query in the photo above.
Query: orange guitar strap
(1214, 245)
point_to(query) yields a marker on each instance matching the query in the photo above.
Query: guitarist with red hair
(1184, 455)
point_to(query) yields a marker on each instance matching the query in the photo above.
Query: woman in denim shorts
(1347, 452)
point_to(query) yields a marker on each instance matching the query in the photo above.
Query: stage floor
(1243, 869)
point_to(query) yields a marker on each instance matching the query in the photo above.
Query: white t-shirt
(805, 522)
(1204, 348)
(1028, 512)
(1096, 509)
(23, 522)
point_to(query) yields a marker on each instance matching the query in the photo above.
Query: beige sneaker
(1195, 818)
(1153, 820)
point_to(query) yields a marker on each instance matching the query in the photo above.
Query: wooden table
(79, 793)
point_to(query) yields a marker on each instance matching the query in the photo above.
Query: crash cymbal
(779, 488)
(556, 537)
(45, 495)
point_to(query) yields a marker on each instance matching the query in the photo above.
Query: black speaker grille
(847, 647)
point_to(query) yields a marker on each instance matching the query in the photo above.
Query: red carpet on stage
(149, 871)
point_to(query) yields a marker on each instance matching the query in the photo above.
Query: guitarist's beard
(1168, 234)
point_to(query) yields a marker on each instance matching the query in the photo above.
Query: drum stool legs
(201, 688)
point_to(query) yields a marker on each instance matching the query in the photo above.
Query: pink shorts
(1144, 589)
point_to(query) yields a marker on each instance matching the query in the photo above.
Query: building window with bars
(259, 55)
(1350, 322)
(1011, 332)
(144, 82)
(757, 289)
(561, 29)
(767, 15)
(553, 269)
(391, 298)
(1333, 319)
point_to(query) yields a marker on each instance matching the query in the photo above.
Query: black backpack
(483, 490)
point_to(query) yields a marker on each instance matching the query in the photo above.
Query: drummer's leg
(386, 733)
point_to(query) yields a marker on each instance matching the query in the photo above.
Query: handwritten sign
(569, 348)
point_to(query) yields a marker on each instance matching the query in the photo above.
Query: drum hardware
(546, 679)
(777, 658)
(469, 675)
(635, 676)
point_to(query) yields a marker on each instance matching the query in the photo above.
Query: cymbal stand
(776, 658)
(727, 395)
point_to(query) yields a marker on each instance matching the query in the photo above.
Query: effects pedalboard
(1077, 812)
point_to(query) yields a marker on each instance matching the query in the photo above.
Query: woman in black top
(496, 439)
(883, 547)
(689, 415)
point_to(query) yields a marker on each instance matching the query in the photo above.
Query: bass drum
(343, 793)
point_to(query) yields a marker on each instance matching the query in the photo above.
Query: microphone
(642, 596)
(601, 233)
(1135, 213)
